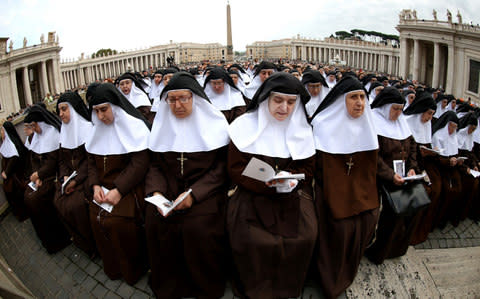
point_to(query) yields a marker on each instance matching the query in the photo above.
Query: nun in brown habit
(72, 203)
(118, 160)
(272, 226)
(345, 184)
(14, 156)
(44, 147)
(187, 248)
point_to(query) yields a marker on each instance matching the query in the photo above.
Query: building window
(474, 76)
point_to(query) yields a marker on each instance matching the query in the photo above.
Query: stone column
(26, 86)
(44, 81)
(416, 59)
(390, 65)
(403, 57)
(436, 65)
(450, 70)
(82, 75)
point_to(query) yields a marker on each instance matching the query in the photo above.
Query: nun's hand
(70, 187)
(34, 177)
(98, 194)
(186, 203)
(38, 183)
(398, 180)
(453, 161)
(113, 197)
(4, 175)
(411, 172)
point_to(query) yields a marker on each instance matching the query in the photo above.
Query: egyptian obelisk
(229, 35)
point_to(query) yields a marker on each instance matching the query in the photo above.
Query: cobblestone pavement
(71, 274)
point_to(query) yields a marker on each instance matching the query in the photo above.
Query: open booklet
(33, 186)
(436, 151)
(104, 205)
(165, 205)
(474, 173)
(74, 174)
(259, 170)
(415, 177)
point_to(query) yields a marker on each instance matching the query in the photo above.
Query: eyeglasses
(183, 100)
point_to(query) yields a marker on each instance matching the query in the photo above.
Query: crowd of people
(262, 175)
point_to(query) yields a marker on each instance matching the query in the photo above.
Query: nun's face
(27, 129)
(180, 102)
(314, 88)
(217, 85)
(167, 78)
(126, 86)
(427, 115)
(444, 103)
(410, 98)
(395, 111)
(296, 75)
(265, 73)
(281, 106)
(104, 113)
(471, 128)
(64, 112)
(453, 103)
(234, 78)
(355, 103)
(378, 90)
(157, 78)
(331, 78)
(452, 127)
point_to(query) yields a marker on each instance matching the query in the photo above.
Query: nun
(237, 80)
(317, 88)
(272, 225)
(187, 246)
(118, 160)
(132, 89)
(375, 88)
(467, 125)
(14, 158)
(224, 95)
(156, 87)
(397, 158)
(167, 75)
(44, 148)
(409, 96)
(442, 103)
(444, 138)
(70, 197)
(419, 116)
(262, 72)
(346, 168)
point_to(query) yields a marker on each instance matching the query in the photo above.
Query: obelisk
(229, 35)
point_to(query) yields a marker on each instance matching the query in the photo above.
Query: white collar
(156, 98)
(137, 97)
(47, 141)
(251, 88)
(76, 132)
(8, 148)
(440, 110)
(335, 131)
(465, 140)
(227, 100)
(398, 129)
(205, 129)
(422, 132)
(312, 104)
(125, 135)
(258, 132)
(442, 140)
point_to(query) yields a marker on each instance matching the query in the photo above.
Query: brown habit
(394, 232)
(14, 185)
(187, 250)
(73, 207)
(119, 235)
(347, 208)
(43, 214)
(272, 235)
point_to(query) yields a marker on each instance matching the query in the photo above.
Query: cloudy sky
(89, 25)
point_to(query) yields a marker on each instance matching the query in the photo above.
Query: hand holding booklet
(433, 150)
(104, 205)
(262, 171)
(74, 174)
(165, 205)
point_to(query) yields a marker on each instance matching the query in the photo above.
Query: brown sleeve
(11, 165)
(92, 171)
(384, 171)
(63, 170)
(214, 179)
(49, 165)
(237, 161)
(134, 173)
(444, 161)
(306, 166)
(412, 163)
(155, 180)
(82, 171)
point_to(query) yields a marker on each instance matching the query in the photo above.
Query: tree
(104, 52)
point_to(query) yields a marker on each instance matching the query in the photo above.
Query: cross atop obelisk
(229, 35)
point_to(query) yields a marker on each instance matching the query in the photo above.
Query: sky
(88, 25)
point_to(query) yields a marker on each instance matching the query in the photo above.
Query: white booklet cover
(165, 205)
(262, 171)
(74, 174)
(105, 205)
